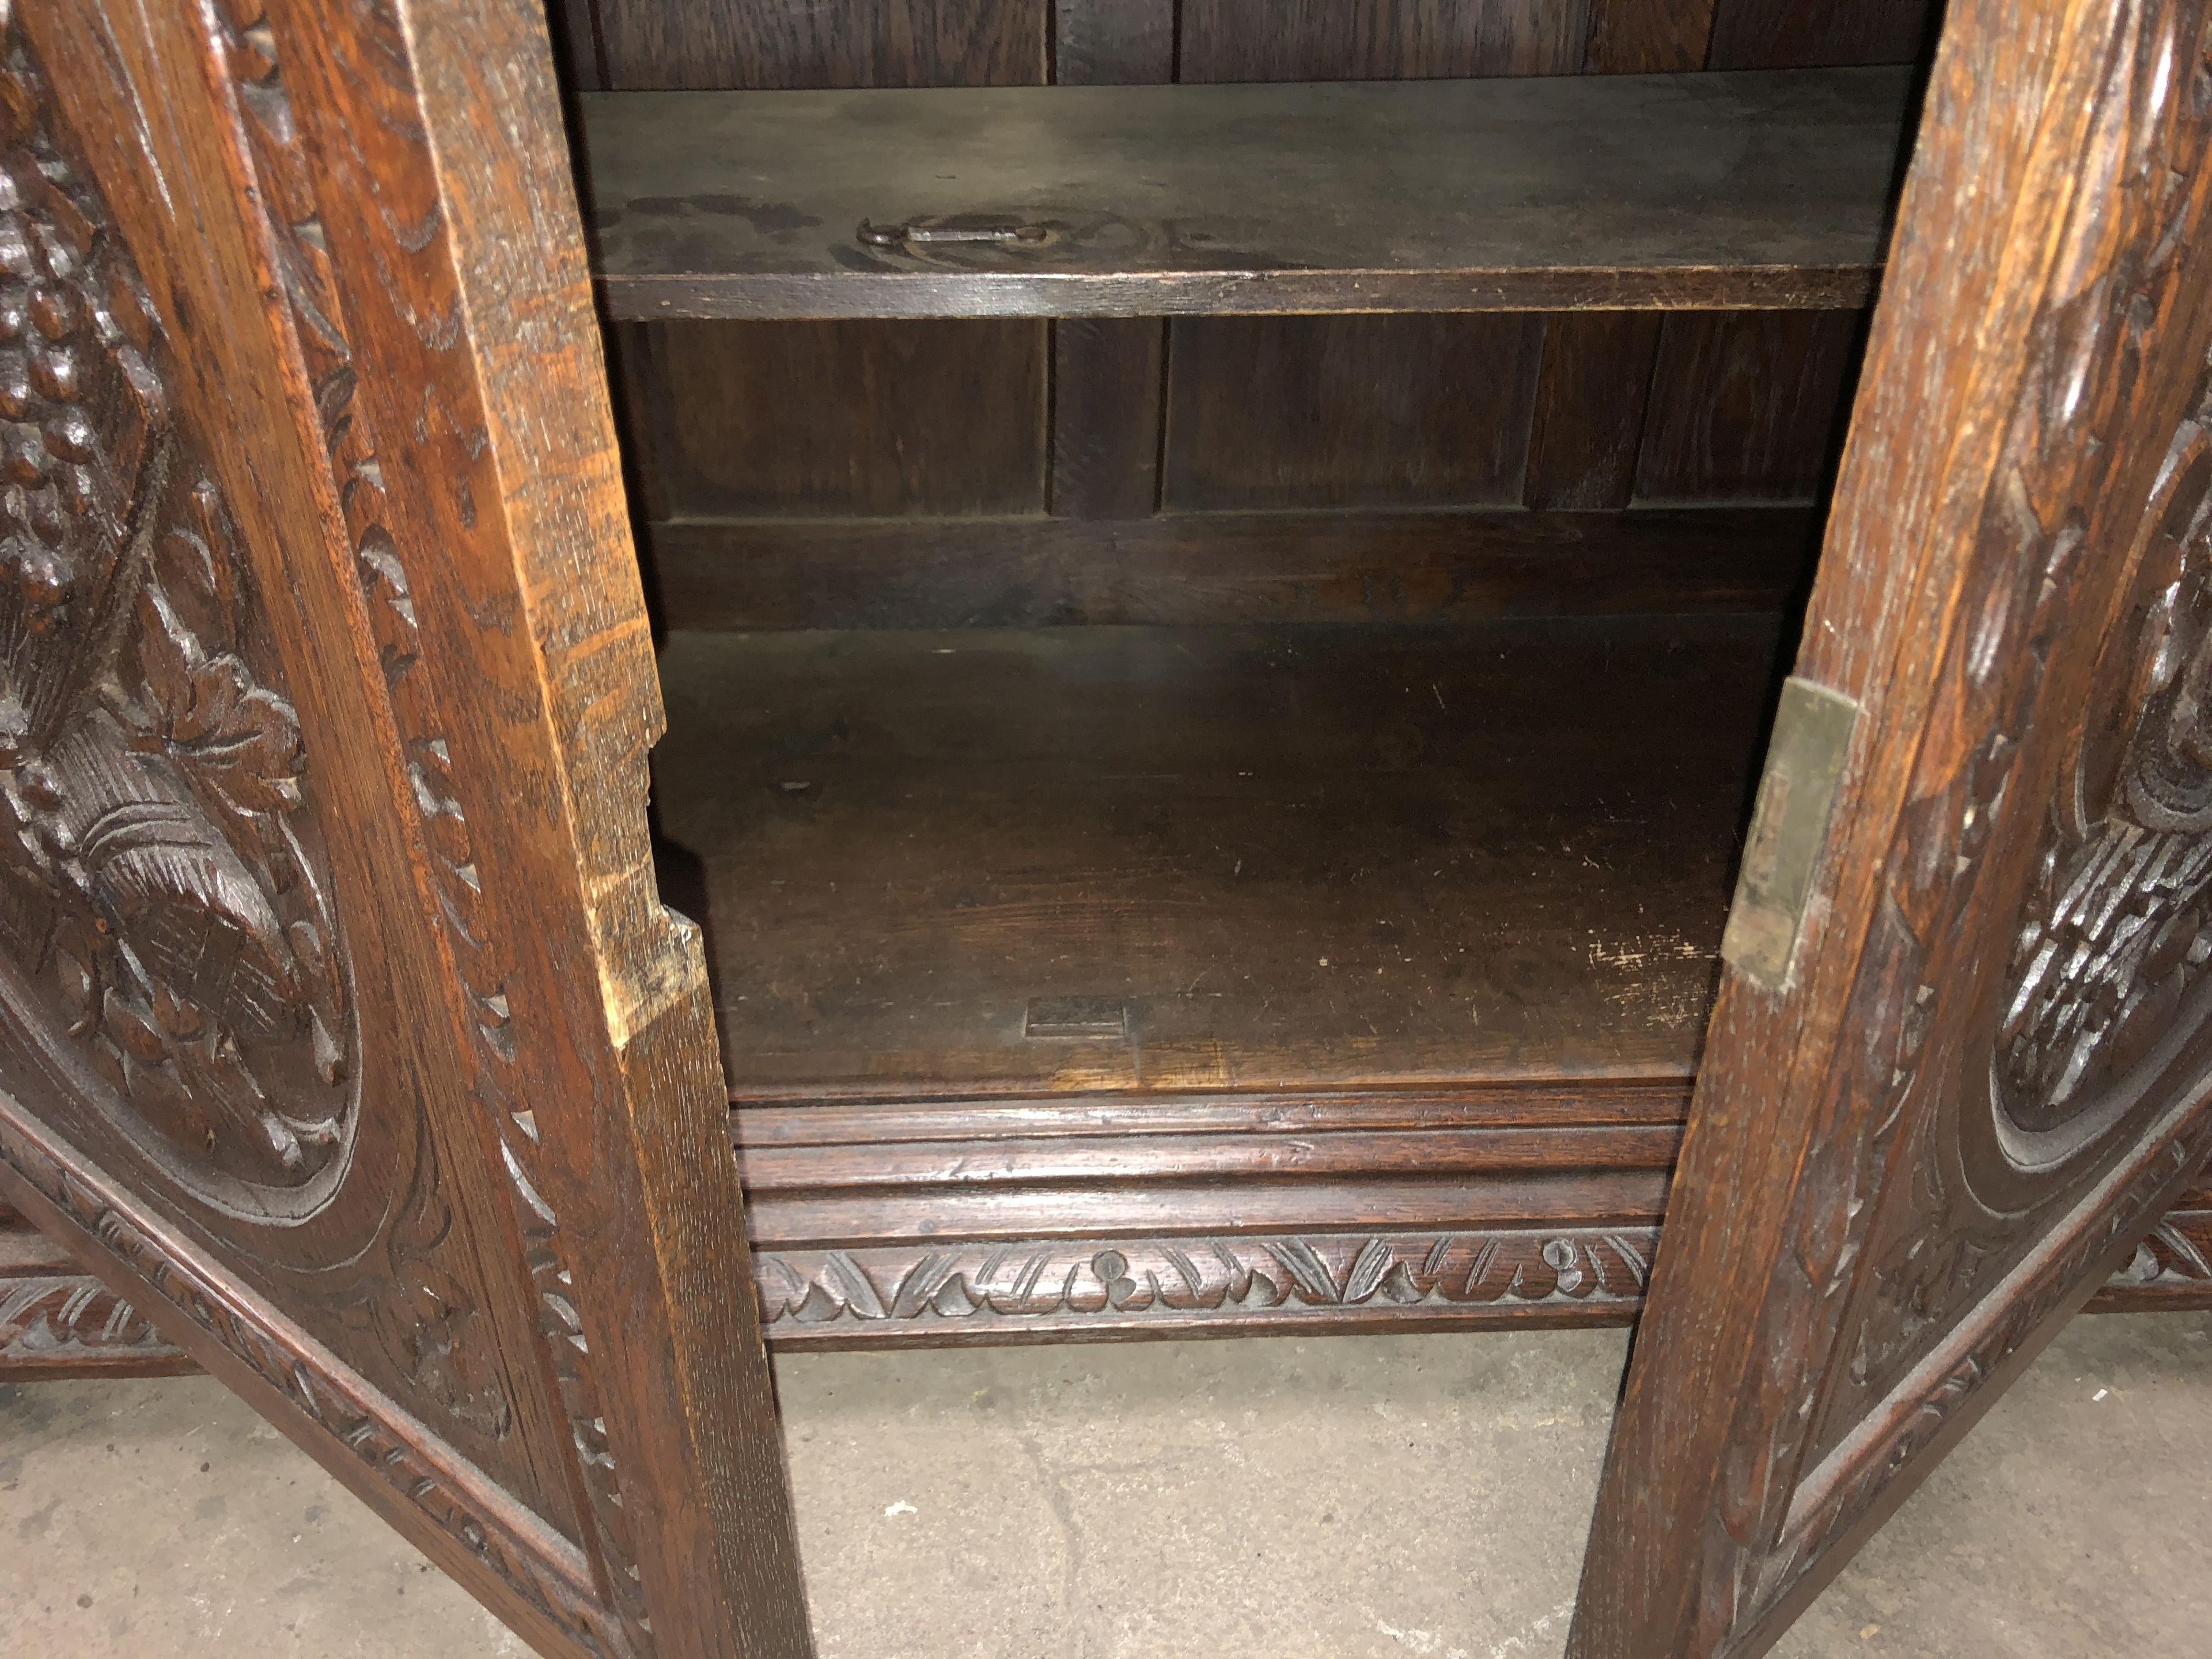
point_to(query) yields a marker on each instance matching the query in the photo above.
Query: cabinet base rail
(1535, 1208)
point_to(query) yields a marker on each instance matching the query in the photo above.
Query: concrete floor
(1347, 1498)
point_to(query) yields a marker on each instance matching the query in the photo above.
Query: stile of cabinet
(1289, 655)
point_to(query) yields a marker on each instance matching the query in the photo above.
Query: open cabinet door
(341, 1028)
(1959, 1062)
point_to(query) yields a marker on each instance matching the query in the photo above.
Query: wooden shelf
(1341, 857)
(1649, 191)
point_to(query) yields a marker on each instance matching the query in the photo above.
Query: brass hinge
(1813, 728)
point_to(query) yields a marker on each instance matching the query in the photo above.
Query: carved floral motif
(1836, 1494)
(2176, 1258)
(2111, 945)
(159, 889)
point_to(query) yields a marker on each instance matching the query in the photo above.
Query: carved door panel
(1962, 1056)
(341, 1028)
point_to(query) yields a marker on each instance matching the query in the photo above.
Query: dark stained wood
(1210, 568)
(1378, 39)
(630, 378)
(655, 45)
(1290, 858)
(1108, 373)
(1746, 405)
(846, 418)
(1596, 376)
(1788, 34)
(1200, 1208)
(575, 29)
(1314, 424)
(804, 399)
(357, 1010)
(1237, 1157)
(2171, 1269)
(764, 1125)
(1569, 191)
(1107, 377)
(1112, 43)
(1588, 417)
(1647, 37)
(1240, 40)
(1978, 1082)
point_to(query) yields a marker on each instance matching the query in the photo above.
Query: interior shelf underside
(1767, 189)
(1051, 862)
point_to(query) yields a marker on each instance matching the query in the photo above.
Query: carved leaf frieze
(1226, 1277)
(864, 1293)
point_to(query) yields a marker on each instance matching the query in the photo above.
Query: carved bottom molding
(60, 1322)
(1002, 1291)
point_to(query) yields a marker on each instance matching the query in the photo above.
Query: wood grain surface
(658, 44)
(1295, 858)
(1378, 39)
(1783, 34)
(1747, 405)
(938, 418)
(1588, 419)
(1200, 568)
(1421, 411)
(1763, 189)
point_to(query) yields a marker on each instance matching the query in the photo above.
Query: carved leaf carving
(1321, 1276)
(49, 1318)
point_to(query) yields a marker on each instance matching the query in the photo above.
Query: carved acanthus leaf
(942, 1288)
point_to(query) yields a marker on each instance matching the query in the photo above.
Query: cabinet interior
(1242, 603)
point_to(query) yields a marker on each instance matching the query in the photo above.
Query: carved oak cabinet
(1301, 666)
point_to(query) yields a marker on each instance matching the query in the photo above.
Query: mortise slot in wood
(1076, 1017)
